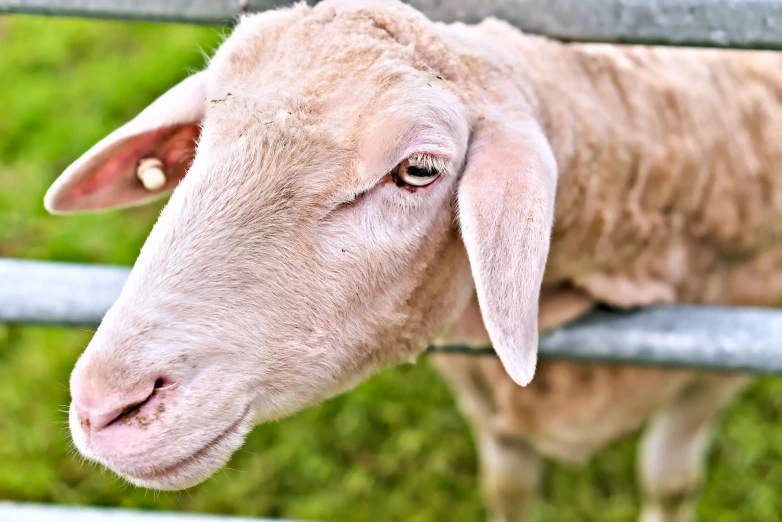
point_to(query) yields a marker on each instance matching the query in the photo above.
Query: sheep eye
(415, 172)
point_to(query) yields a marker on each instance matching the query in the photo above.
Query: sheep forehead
(319, 85)
(302, 52)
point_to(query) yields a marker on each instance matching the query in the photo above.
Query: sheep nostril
(125, 412)
(95, 413)
(164, 384)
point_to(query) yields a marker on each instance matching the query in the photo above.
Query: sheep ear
(506, 209)
(164, 134)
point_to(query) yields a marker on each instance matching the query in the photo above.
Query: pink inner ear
(116, 175)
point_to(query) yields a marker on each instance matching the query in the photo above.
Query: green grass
(394, 449)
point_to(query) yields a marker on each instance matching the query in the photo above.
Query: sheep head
(336, 201)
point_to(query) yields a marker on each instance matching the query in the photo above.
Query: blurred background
(394, 449)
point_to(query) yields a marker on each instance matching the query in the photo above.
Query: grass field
(394, 449)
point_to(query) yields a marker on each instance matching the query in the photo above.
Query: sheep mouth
(192, 469)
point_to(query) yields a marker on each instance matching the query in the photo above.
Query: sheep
(353, 181)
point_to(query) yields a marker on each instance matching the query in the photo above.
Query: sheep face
(311, 243)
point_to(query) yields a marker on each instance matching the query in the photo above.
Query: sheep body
(670, 173)
(670, 190)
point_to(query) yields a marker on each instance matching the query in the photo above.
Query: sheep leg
(674, 448)
(510, 468)
(510, 476)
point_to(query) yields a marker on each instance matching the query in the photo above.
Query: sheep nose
(95, 411)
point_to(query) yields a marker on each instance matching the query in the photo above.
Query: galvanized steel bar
(710, 23)
(223, 12)
(734, 339)
(739, 339)
(70, 294)
(29, 512)
(713, 23)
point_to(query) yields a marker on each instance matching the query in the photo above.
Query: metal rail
(720, 338)
(755, 24)
(29, 512)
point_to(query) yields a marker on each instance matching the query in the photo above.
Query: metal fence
(736, 339)
(28, 512)
(721, 23)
